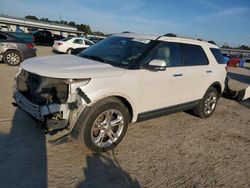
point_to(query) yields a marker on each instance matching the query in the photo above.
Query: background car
(14, 50)
(234, 61)
(68, 44)
(57, 37)
(43, 37)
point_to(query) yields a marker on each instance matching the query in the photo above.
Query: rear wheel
(69, 50)
(12, 58)
(105, 125)
(208, 103)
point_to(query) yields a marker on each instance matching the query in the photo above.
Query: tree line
(80, 27)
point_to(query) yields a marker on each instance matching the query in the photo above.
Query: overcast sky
(224, 21)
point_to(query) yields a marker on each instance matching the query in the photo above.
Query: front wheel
(105, 125)
(208, 103)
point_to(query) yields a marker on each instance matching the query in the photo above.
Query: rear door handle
(1, 44)
(209, 71)
(178, 75)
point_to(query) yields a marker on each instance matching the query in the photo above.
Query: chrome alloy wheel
(210, 103)
(107, 128)
(13, 58)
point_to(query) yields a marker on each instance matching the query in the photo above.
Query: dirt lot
(178, 150)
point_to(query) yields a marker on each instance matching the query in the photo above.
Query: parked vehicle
(43, 37)
(234, 61)
(57, 37)
(68, 44)
(14, 50)
(122, 79)
(4, 28)
(77, 50)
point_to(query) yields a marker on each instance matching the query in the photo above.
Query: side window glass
(194, 55)
(168, 52)
(87, 42)
(78, 41)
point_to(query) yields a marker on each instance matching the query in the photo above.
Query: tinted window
(118, 51)
(194, 55)
(168, 52)
(3, 37)
(78, 41)
(218, 56)
(87, 42)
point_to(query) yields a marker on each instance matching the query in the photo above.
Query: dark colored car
(57, 37)
(14, 50)
(43, 38)
(77, 50)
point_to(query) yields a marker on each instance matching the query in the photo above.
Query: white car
(122, 79)
(66, 45)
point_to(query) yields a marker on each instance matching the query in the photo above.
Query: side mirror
(157, 65)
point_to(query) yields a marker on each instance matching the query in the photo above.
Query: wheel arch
(16, 50)
(217, 86)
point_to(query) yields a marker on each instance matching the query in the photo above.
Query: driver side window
(168, 52)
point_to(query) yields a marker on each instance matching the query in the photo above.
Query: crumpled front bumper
(39, 112)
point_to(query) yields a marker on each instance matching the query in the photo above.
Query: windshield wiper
(94, 58)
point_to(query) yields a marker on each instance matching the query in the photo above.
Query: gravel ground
(177, 150)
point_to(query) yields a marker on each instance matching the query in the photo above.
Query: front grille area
(42, 90)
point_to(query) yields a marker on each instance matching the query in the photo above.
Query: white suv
(122, 79)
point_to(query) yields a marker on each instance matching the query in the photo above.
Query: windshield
(118, 51)
(66, 39)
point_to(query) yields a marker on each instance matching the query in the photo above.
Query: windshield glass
(118, 51)
(66, 39)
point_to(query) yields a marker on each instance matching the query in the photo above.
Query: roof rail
(170, 35)
(185, 37)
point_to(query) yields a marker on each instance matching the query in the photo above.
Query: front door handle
(178, 75)
(209, 71)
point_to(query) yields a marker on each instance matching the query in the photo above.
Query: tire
(12, 58)
(69, 50)
(97, 132)
(240, 95)
(207, 104)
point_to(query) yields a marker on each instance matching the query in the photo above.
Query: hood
(69, 66)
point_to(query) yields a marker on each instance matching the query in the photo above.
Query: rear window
(66, 39)
(218, 56)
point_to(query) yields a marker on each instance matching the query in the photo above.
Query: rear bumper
(39, 112)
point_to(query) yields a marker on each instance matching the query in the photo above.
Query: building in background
(15, 24)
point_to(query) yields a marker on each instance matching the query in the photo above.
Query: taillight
(29, 45)
(59, 43)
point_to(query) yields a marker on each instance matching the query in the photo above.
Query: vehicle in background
(4, 28)
(77, 50)
(14, 50)
(43, 37)
(68, 44)
(95, 38)
(234, 61)
(57, 37)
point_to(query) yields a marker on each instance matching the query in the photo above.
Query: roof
(168, 37)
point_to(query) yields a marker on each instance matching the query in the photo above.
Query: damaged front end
(55, 102)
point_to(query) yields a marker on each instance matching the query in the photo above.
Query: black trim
(83, 95)
(165, 111)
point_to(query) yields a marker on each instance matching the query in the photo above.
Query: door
(160, 89)
(78, 43)
(198, 73)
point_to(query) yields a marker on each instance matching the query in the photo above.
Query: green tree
(31, 17)
(85, 28)
(71, 23)
(98, 33)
